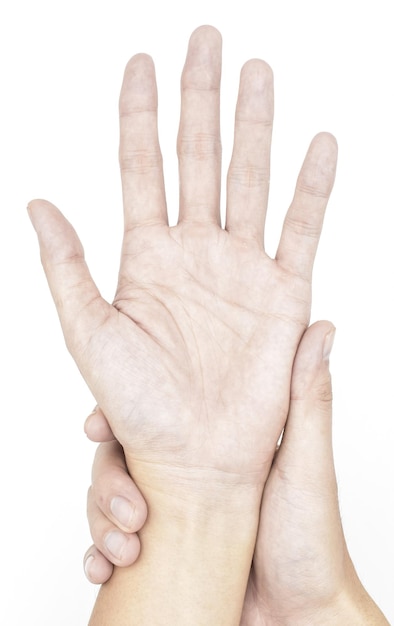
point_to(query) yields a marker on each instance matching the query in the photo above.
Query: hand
(302, 572)
(201, 337)
(127, 511)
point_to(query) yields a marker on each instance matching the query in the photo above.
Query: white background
(61, 69)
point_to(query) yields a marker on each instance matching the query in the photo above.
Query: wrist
(355, 606)
(205, 544)
(347, 603)
(197, 492)
(211, 519)
(352, 606)
(196, 550)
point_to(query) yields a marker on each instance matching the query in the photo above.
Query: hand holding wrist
(209, 530)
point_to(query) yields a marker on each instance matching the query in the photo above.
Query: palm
(208, 308)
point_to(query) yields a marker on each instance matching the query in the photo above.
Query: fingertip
(328, 343)
(256, 93)
(139, 91)
(98, 569)
(141, 60)
(314, 338)
(206, 31)
(202, 68)
(38, 209)
(128, 507)
(312, 358)
(123, 511)
(123, 549)
(134, 550)
(97, 428)
(320, 329)
(35, 202)
(327, 138)
(141, 512)
(57, 237)
(31, 204)
(257, 67)
(323, 151)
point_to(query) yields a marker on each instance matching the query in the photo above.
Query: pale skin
(301, 573)
(192, 362)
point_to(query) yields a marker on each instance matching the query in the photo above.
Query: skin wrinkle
(136, 111)
(196, 220)
(77, 285)
(117, 304)
(203, 394)
(303, 228)
(263, 314)
(68, 260)
(246, 341)
(313, 191)
(232, 303)
(199, 145)
(77, 257)
(297, 275)
(197, 89)
(250, 121)
(180, 332)
(130, 231)
(140, 161)
(206, 305)
(249, 176)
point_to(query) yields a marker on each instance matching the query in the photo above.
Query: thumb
(77, 299)
(311, 381)
(306, 447)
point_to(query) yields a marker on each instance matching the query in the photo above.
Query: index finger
(139, 151)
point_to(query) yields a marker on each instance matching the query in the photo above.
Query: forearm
(197, 548)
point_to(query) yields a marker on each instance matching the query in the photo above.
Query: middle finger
(199, 146)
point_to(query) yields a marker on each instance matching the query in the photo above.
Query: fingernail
(123, 510)
(328, 343)
(115, 542)
(88, 566)
(88, 418)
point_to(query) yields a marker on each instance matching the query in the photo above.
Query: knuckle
(324, 393)
(199, 146)
(107, 486)
(200, 80)
(248, 176)
(102, 492)
(253, 122)
(139, 161)
(303, 224)
(313, 189)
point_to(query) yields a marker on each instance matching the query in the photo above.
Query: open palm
(192, 361)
